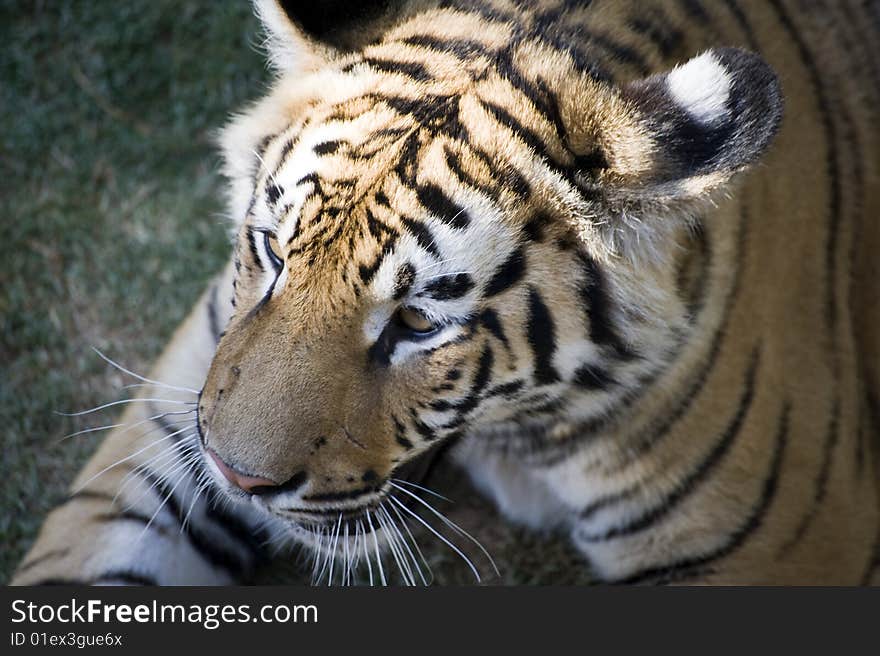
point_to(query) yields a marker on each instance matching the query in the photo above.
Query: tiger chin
(573, 247)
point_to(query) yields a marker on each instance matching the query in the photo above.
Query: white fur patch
(701, 87)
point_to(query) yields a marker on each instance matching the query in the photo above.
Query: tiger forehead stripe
(403, 280)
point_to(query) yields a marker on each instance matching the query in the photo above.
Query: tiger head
(453, 227)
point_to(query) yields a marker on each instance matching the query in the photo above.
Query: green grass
(112, 222)
(112, 210)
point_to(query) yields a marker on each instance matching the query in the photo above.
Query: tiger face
(457, 231)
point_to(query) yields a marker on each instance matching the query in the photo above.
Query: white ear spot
(701, 86)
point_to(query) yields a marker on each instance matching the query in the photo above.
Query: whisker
(366, 554)
(450, 524)
(164, 462)
(405, 544)
(179, 454)
(90, 430)
(376, 546)
(266, 168)
(200, 488)
(323, 554)
(403, 523)
(424, 489)
(130, 456)
(402, 564)
(394, 555)
(181, 478)
(139, 377)
(130, 426)
(346, 574)
(434, 265)
(333, 549)
(168, 453)
(436, 533)
(110, 405)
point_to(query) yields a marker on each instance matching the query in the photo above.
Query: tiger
(614, 260)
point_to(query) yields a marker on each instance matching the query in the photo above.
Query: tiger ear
(302, 33)
(288, 45)
(666, 142)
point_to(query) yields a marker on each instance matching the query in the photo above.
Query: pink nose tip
(250, 484)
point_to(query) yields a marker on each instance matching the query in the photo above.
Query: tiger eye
(273, 248)
(414, 320)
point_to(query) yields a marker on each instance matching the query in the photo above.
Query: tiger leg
(140, 512)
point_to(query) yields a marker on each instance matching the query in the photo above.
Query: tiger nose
(250, 484)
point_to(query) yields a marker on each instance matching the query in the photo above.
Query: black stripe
(619, 51)
(538, 93)
(684, 567)
(213, 318)
(382, 199)
(252, 244)
(368, 271)
(337, 232)
(593, 377)
(463, 49)
(689, 484)
(694, 9)
(327, 147)
(448, 287)
(413, 70)
(541, 335)
(529, 137)
(605, 501)
(454, 163)
(652, 435)
(378, 229)
(820, 488)
(873, 419)
(690, 284)
(505, 174)
(861, 436)
(126, 577)
(507, 390)
(423, 235)
(597, 304)
(49, 555)
(403, 280)
(425, 432)
(273, 193)
(129, 516)
(474, 396)
(209, 548)
(490, 321)
(658, 30)
(743, 22)
(873, 561)
(250, 538)
(536, 226)
(400, 434)
(58, 581)
(508, 274)
(438, 203)
(832, 162)
(343, 495)
(87, 495)
(439, 113)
